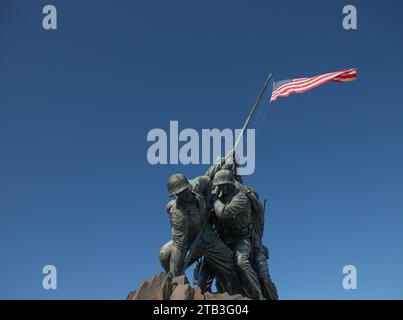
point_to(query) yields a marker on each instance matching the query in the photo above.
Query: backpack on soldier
(257, 209)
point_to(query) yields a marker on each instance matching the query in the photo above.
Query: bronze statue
(188, 215)
(217, 222)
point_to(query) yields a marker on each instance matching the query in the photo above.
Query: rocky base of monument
(152, 290)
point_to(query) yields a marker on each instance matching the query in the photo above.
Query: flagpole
(251, 113)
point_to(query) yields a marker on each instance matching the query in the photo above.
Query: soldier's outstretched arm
(223, 163)
(201, 184)
(213, 169)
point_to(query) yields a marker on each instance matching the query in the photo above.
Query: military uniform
(260, 253)
(187, 219)
(235, 228)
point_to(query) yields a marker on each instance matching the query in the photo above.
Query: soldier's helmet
(177, 183)
(223, 177)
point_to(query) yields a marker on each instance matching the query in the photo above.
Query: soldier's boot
(269, 289)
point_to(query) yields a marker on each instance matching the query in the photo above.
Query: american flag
(286, 87)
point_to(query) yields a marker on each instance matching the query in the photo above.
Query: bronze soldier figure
(188, 214)
(260, 253)
(233, 210)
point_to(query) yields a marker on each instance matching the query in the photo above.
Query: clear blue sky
(77, 191)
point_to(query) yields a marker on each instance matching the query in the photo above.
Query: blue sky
(76, 104)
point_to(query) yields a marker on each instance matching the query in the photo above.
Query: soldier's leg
(261, 256)
(220, 259)
(203, 275)
(243, 249)
(165, 255)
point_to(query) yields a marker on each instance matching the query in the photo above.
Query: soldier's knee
(165, 255)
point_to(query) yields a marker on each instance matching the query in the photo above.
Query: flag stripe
(320, 79)
(296, 85)
(288, 82)
(301, 90)
(344, 80)
(313, 79)
(351, 76)
(309, 80)
(293, 83)
(315, 84)
(301, 85)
